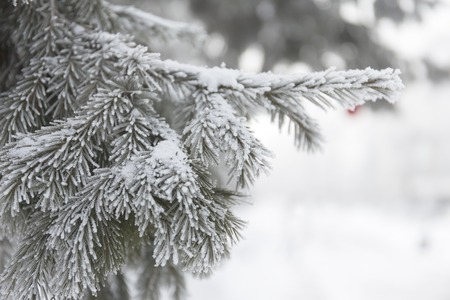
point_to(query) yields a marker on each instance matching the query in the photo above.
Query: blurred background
(367, 217)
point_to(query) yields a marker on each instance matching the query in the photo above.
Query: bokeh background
(368, 216)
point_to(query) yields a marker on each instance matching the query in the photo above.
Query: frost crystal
(93, 177)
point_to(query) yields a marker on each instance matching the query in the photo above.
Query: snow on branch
(23, 110)
(216, 130)
(284, 95)
(86, 225)
(161, 189)
(29, 274)
(61, 154)
(330, 85)
(106, 148)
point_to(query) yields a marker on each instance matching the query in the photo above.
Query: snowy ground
(312, 252)
(365, 219)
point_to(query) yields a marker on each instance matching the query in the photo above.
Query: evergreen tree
(107, 151)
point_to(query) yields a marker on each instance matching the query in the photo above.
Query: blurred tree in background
(319, 33)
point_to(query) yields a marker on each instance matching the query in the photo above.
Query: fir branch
(79, 223)
(87, 240)
(22, 109)
(216, 129)
(67, 71)
(283, 95)
(144, 27)
(86, 159)
(29, 273)
(140, 133)
(92, 13)
(61, 155)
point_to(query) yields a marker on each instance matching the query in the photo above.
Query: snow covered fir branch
(106, 149)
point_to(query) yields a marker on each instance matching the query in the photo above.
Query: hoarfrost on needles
(92, 175)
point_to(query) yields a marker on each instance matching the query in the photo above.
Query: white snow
(128, 172)
(215, 77)
(210, 78)
(169, 153)
(23, 148)
(312, 252)
(363, 84)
